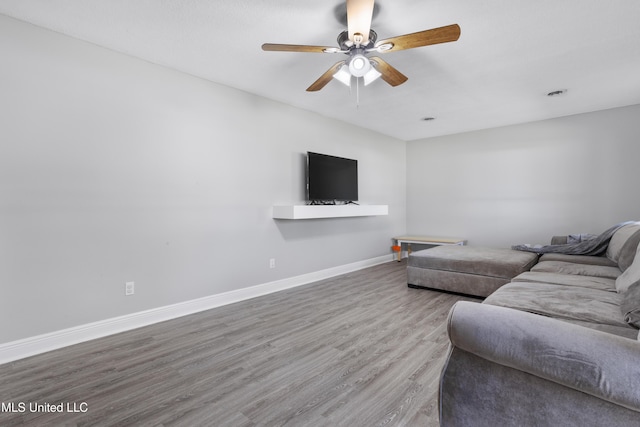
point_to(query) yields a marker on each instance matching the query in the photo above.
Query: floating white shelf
(328, 211)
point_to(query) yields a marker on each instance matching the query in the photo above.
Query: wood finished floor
(360, 349)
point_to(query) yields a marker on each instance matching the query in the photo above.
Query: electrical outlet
(272, 263)
(129, 288)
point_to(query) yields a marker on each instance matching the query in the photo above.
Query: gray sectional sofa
(559, 345)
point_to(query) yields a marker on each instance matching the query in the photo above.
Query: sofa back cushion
(628, 251)
(631, 275)
(619, 239)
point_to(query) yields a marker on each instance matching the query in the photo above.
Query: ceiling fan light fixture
(343, 75)
(359, 65)
(371, 76)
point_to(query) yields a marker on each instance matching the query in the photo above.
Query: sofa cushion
(622, 331)
(561, 302)
(630, 305)
(630, 276)
(579, 259)
(618, 240)
(578, 269)
(628, 251)
(602, 283)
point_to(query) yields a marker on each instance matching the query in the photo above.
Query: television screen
(331, 179)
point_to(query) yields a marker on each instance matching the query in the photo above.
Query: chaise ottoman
(466, 270)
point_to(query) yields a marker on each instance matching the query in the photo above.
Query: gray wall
(525, 183)
(113, 169)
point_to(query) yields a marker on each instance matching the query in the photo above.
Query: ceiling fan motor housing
(346, 44)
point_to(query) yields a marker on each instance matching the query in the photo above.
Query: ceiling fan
(359, 41)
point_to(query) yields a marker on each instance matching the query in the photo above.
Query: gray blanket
(596, 246)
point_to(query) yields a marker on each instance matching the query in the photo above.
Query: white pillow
(630, 276)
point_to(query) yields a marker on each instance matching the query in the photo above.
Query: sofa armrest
(597, 363)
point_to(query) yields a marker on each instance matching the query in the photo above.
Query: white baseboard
(54, 340)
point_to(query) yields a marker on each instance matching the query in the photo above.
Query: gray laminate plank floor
(361, 349)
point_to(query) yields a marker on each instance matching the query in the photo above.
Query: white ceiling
(510, 55)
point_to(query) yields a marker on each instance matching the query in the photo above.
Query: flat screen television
(331, 179)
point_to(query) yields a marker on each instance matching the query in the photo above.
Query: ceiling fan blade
(359, 15)
(325, 78)
(449, 33)
(389, 73)
(271, 47)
